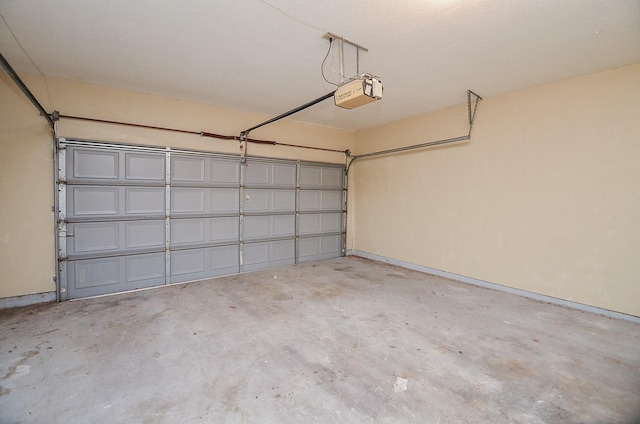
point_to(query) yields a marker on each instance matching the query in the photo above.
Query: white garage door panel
(194, 170)
(91, 277)
(321, 177)
(189, 262)
(144, 167)
(115, 166)
(121, 236)
(320, 204)
(224, 171)
(268, 254)
(136, 217)
(89, 164)
(194, 231)
(270, 174)
(316, 200)
(204, 200)
(93, 201)
(257, 227)
(95, 273)
(141, 269)
(320, 223)
(92, 237)
(265, 201)
(144, 200)
(196, 264)
(118, 202)
(144, 234)
(187, 169)
(317, 248)
(187, 231)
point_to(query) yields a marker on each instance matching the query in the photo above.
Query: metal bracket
(167, 218)
(472, 115)
(242, 138)
(341, 41)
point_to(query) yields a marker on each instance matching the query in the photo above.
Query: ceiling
(265, 56)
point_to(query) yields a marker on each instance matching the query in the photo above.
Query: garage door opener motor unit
(360, 91)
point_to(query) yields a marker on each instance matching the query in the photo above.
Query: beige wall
(104, 103)
(27, 262)
(545, 197)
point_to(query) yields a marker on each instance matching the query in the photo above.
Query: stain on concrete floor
(346, 340)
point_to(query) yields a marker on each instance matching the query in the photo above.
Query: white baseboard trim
(26, 300)
(494, 286)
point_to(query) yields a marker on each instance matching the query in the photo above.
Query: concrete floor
(340, 341)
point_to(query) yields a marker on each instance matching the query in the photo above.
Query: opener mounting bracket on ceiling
(351, 93)
(341, 42)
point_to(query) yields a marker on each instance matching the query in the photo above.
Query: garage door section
(320, 205)
(115, 220)
(204, 213)
(269, 214)
(133, 217)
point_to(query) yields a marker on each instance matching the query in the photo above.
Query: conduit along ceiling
(265, 56)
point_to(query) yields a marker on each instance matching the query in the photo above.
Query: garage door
(133, 217)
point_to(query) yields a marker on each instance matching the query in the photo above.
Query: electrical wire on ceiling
(30, 59)
(310, 25)
(349, 96)
(341, 45)
(292, 17)
(323, 62)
